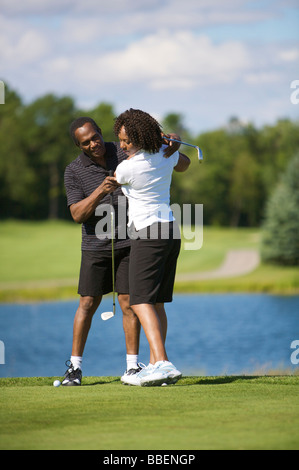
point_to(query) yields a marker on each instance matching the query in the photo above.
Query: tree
(244, 191)
(280, 243)
(104, 116)
(174, 122)
(16, 175)
(49, 147)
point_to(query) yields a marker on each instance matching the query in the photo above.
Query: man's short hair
(79, 122)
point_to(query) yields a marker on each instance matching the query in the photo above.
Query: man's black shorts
(153, 266)
(96, 272)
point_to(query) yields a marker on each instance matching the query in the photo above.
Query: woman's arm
(183, 163)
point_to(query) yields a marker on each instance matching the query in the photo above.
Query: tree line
(242, 164)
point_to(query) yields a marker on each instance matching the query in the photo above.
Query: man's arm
(183, 163)
(82, 210)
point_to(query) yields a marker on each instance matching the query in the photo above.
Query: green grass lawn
(232, 412)
(47, 251)
(39, 250)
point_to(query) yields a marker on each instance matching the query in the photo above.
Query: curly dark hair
(141, 128)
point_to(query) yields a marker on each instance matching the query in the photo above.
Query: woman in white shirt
(145, 178)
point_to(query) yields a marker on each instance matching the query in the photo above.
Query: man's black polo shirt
(82, 176)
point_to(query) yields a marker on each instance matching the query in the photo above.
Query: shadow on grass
(215, 380)
(106, 381)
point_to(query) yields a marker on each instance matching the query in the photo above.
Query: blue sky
(208, 60)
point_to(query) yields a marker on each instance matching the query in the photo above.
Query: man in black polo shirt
(87, 185)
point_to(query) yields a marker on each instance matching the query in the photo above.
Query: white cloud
(162, 55)
(289, 55)
(257, 78)
(34, 7)
(29, 47)
(179, 60)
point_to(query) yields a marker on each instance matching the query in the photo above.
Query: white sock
(77, 362)
(132, 361)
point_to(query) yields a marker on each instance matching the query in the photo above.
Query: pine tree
(280, 242)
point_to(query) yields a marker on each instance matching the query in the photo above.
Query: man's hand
(109, 184)
(172, 146)
(82, 210)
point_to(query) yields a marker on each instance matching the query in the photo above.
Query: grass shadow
(96, 381)
(185, 381)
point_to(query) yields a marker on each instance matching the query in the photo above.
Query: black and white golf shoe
(72, 377)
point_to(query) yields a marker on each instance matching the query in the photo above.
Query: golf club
(108, 315)
(199, 151)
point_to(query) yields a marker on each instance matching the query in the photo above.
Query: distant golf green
(50, 251)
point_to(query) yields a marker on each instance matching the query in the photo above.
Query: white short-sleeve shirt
(145, 180)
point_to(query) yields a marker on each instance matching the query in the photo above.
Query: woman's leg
(163, 322)
(151, 324)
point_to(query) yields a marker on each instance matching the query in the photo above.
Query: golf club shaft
(199, 151)
(112, 244)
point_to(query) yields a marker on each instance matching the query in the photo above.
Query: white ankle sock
(77, 362)
(132, 361)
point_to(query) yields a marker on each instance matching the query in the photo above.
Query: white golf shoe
(171, 372)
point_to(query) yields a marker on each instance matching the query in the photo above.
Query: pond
(208, 334)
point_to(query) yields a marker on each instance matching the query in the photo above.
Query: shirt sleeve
(73, 187)
(175, 158)
(122, 172)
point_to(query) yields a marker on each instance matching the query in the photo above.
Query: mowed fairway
(41, 261)
(230, 412)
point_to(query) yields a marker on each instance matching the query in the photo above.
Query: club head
(107, 315)
(199, 153)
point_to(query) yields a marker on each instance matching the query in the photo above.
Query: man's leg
(82, 322)
(131, 325)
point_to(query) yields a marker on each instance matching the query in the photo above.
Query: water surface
(207, 335)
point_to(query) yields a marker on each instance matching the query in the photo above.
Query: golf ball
(56, 383)
(164, 384)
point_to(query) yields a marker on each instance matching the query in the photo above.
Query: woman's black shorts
(153, 264)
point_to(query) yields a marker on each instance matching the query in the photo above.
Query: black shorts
(152, 268)
(96, 272)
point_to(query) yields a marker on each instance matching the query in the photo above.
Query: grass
(33, 251)
(216, 242)
(230, 412)
(47, 254)
(265, 279)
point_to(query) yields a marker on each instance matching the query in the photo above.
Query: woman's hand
(172, 147)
